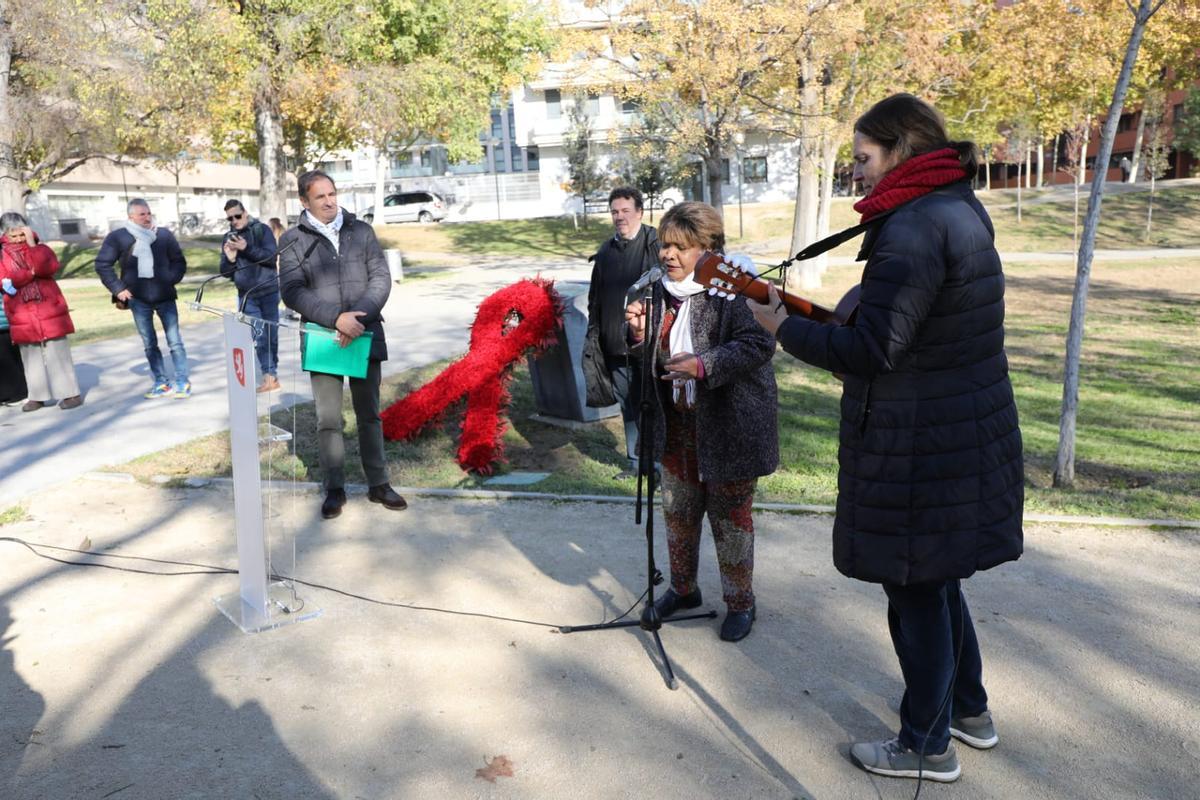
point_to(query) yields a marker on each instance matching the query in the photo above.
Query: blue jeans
(266, 337)
(143, 317)
(926, 621)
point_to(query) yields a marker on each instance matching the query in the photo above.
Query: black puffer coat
(930, 481)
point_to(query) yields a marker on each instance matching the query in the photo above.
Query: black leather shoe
(384, 493)
(334, 500)
(737, 624)
(671, 602)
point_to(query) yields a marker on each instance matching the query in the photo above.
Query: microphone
(648, 277)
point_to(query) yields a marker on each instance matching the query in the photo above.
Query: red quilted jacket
(38, 311)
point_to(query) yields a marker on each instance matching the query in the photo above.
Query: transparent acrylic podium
(266, 596)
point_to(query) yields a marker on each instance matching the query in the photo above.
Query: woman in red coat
(37, 314)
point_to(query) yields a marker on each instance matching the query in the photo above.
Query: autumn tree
(1064, 469)
(101, 79)
(1187, 125)
(691, 65)
(434, 71)
(583, 166)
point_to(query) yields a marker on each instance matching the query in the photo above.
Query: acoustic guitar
(713, 271)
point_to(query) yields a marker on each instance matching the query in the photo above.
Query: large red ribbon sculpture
(514, 320)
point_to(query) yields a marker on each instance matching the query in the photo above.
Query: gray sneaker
(979, 732)
(895, 760)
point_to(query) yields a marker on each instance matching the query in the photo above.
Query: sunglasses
(235, 216)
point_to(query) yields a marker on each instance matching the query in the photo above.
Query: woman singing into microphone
(930, 483)
(715, 416)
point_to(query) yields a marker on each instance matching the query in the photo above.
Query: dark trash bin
(558, 386)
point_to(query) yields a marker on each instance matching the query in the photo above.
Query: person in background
(151, 264)
(38, 319)
(249, 257)
(332, 270)
(930, 480)
(12, 373)
(621, 259)
(716, 407)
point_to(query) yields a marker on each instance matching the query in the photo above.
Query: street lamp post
(738, 139)
(496, 172)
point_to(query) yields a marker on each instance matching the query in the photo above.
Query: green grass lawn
(766, 228)
(1138, 431)
(78, 261)
(96, 318)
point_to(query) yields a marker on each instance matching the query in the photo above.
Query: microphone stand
(650, 621)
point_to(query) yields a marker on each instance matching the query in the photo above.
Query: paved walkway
(133, 687)
(426, 320)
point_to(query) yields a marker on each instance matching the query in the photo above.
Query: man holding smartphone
(248, 257)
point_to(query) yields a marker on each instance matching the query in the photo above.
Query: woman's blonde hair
(697, 224)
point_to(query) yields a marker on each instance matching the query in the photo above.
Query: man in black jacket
(332, 271)
(152, 263)
(248, 257)
(632, 249)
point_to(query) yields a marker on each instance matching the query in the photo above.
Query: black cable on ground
(210, 569)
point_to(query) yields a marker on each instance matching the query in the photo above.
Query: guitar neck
(757, 290)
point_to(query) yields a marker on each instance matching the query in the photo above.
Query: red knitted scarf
(917, 176)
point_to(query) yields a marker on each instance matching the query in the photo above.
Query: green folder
(321, 353)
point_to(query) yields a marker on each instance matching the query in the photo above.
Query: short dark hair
(232, 203)
(627, 192)
(307, 179)
(905, 126)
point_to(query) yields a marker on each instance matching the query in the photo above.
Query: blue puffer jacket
(169, 266)
(930, 480)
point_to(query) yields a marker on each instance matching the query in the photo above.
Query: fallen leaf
(498, 766)
(86, 544)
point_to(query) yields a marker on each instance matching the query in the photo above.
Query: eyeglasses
(233, 217)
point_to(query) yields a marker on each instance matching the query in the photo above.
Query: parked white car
(409, 207)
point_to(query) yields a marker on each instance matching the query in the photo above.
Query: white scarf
(142, 239)
(332, 231)
(680, 339)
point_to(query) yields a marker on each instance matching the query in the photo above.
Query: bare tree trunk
(268, 129)
(12, 187)
(1083, 148)
(804, 219)
(1054, 162)
(1064, 467)
(1150, 207)
(381, 170)
(1019, 191)
(712, 162)
(1029, 165)
(178, 201)
(1041, 165)
(829, 151)
(1136, 168)
(987, 169)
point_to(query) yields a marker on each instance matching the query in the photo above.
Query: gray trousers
(49, 370)
(364, 394)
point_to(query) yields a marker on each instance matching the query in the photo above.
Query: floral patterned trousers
(686, 500)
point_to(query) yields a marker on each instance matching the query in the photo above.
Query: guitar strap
(829, 242)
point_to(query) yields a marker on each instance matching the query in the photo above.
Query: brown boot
(32, 405)
(71, 402)
(269, 384)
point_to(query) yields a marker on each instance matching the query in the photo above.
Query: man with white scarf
(715, 407)
(151, 264)
(332, 271)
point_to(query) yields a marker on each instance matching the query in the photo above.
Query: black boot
(384, 493)
(334, 500)
(671, 602)
(737, 624)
